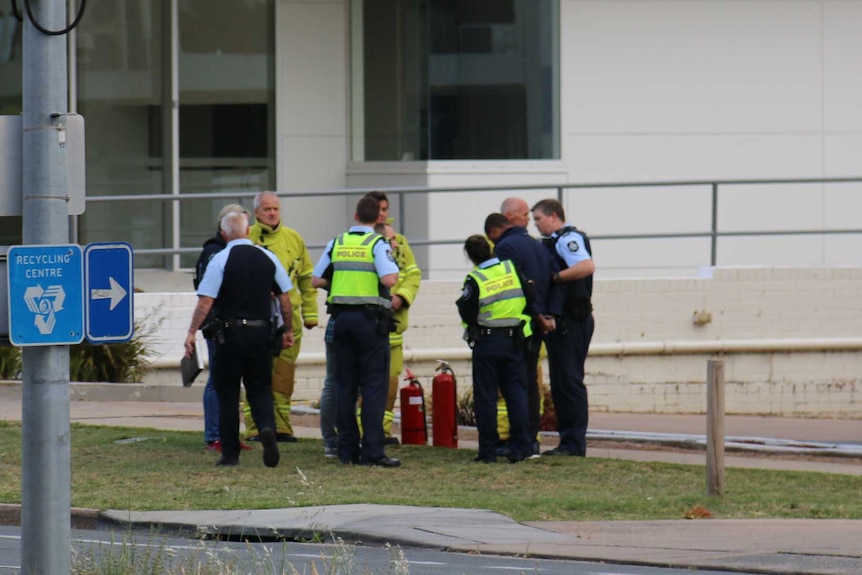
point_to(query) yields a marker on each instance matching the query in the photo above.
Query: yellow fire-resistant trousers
(503, 413)
(283, 382)
(396, 363)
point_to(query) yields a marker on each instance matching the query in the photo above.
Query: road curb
(81, 518)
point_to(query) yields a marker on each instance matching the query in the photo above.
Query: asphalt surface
(799, 546)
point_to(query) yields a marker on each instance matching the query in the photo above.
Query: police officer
(512, 242)
(239, 281)
(211, 247)
(358, 269)
(569, 342)
(492, 306)
(403, 295)
(286, 243)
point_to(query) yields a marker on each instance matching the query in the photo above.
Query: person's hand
(287, 339)
(397, 302)
(310, 324)
(548, 323)
(189, 344)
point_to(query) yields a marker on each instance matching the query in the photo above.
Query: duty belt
(337, 308)
(498, 331)
(235, 323)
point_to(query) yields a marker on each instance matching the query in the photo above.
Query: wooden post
(715, 428)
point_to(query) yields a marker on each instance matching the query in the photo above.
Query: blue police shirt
(571, 247)
(211, 282)
(384, 260)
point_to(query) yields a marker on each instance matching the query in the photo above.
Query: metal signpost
(46, 474)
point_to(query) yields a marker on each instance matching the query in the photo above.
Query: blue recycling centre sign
(46, 304)
(108, 289)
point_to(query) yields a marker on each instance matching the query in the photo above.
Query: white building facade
(183, 97)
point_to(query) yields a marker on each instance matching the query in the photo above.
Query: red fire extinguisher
(414, 426)
(444, 398)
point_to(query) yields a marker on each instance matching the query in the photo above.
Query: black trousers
(567, 351)
(361, 367)
(244, 356)
(500, 363)
(534, 403)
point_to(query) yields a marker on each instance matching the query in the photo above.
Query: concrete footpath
(811, 547)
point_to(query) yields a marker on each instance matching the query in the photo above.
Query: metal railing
(556, 190)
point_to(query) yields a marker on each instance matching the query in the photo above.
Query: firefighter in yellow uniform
(403, 295)
(291, 251)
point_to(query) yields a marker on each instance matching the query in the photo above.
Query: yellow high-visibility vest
(354, 276)
(501, 297)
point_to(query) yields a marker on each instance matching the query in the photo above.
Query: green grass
(171, 470)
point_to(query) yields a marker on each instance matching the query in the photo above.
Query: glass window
(225, 79)
(119, 53)
(10, 62)
(226, 119)
(455, 80)
(11, 79)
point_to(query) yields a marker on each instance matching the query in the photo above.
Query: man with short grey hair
(240, 281)
(211, 247)
(288, 246)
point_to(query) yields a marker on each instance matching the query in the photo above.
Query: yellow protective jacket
(290, 249)
(407, 287)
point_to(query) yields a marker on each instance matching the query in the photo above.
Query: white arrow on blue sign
(108, 292)
(45, 299)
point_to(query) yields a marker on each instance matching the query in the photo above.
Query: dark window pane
(224, 131)
(10, 62)
(458, 80)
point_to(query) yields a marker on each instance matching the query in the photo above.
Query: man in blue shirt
(211, 247)
(239, 281)
(358, 268)
(569, 343)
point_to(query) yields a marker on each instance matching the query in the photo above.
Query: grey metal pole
(45, 436)
(713, 244)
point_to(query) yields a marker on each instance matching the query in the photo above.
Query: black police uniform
(244, 344)
(567, 347)
(535, 265)
(360, 345)
(499, 362)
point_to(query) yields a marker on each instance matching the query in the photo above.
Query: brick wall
(794, 332)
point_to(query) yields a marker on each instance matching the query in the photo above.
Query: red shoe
(215, 446)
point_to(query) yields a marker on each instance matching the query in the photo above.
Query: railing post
(401, 212)
(714, 230)
(715, 427)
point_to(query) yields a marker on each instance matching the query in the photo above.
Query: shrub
(10, 363)
(116, 362)
(467, 413)
(466, 408)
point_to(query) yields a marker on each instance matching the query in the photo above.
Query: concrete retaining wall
(789, 338)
